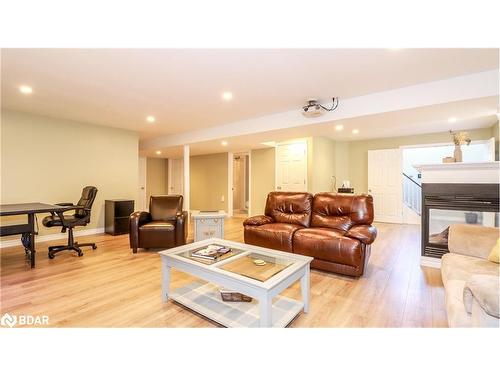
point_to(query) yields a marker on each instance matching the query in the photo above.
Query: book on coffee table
(211, 252)
(233, 296)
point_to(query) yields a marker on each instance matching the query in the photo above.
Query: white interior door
(291, 167)
(490, 149)
(141, 195)
(176, 177)
(385, 184)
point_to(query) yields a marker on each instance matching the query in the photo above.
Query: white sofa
(471, 281)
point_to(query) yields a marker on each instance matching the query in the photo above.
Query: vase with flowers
(459, 139)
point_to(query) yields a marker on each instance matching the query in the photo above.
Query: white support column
(169, 176)
(230, 184)
(186, 179)
(250, 213)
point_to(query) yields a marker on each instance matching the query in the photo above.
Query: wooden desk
(28, 229)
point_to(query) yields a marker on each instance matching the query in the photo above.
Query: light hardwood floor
(111, 287)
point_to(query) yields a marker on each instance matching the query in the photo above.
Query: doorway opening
(176, 176)
(241, 181)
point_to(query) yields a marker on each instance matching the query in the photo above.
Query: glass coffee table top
(257, 266)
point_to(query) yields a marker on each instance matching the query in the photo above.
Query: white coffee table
(268, 309)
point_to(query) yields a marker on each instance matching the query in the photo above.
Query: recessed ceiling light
(227, 95)
(150, 119)
(355, 131)
(452, 119)
(25, 89)
(158, 152)
(224, 143)
(339, 127)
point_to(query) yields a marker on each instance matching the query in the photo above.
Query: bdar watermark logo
(8, 320)
(11, 321)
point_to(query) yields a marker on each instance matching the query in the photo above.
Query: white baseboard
(52, 237)
(430, 262)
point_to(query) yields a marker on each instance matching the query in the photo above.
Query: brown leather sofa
(164, 226)
(335, 229)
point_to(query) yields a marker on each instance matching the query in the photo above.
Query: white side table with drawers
(208, 224)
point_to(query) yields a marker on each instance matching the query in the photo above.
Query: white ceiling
(182, 88)
(470, 114)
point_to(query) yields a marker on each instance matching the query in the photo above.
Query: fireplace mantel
(478, 172)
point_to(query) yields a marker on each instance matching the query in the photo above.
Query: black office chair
(81, 217)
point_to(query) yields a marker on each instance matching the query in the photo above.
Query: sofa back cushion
(288, 207)
(165, 207)
(341, 212)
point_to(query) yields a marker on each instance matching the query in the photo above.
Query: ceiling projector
(314, 109)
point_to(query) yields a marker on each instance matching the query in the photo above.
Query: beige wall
(208, 182)
(341, 163)
(358, 151)
(156, 177)
(310, 162)
(262, 178)
(322, 165)
(51, 160)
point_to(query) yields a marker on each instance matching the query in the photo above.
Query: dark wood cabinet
(117, 214)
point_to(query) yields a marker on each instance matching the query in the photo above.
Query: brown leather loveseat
(335, 229)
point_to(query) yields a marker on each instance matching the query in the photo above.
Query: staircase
(412, 194)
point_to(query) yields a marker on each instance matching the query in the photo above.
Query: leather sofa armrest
(137, 219)
(364, 233)
(484, 289)
(181, 228)
(258, 220)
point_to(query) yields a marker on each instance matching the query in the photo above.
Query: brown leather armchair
(335, 229)
(164, 226)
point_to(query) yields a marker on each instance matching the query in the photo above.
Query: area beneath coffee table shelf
(204, 298)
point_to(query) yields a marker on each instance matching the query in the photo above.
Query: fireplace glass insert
(440, 221)
(447, 204)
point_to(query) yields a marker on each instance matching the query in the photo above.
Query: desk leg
(31, 223)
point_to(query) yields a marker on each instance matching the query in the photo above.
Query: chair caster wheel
(80, 254)
(94, 247)
(51, 256)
